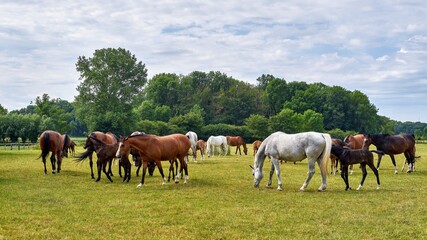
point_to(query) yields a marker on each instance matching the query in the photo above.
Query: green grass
(219, 202)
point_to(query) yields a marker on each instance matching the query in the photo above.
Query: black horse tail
(65, 145)
(378, 152)
(46, 146)
(84, 155)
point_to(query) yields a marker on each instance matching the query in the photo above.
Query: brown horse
(156, 149)
(201, 146)
(256, 145)
(52, 141)
(108, 138)
(105, 153)
(72, 148)
(237, 141)
(393, 144)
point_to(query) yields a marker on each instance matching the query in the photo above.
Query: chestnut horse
(393, 144)
(201, 146)
(156, 149)
(52, 141)
(108, 138)
(237, 141)
(256, 145)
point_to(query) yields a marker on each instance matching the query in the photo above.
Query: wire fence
(17, 146)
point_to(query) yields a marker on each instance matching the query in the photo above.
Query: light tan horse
(201, 146)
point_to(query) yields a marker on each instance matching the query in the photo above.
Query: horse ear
(251, 167)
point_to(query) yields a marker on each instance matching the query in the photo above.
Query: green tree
(56, 110)
(258, 126)
(286, 121)
(3, 111)
(311, 121)
(111, 81)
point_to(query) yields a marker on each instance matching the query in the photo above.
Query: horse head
(256, 172)
(124, 148)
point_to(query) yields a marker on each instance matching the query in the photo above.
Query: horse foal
(354, 156)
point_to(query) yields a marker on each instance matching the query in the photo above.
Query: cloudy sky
(377, 47)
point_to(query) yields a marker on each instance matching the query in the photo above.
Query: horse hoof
(139, 185)
(279, 189)
(301, 189)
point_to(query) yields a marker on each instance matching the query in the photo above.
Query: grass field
(219, 202)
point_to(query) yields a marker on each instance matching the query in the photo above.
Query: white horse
(216, 141)
(193, 140)
(316, 147)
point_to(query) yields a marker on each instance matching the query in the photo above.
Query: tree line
(115, 95)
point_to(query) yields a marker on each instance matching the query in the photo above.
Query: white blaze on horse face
(118, 150)
(257, 177)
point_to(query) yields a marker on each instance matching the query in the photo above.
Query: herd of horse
(149, 151)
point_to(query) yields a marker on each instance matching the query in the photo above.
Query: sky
(376, 47)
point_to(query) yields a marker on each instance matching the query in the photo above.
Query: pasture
(219, 202)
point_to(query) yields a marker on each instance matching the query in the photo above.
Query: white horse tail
(326, 152)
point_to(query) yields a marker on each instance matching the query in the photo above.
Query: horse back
(173, 146)
(396, 144)
(51, 141)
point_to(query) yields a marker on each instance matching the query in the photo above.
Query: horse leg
(394, 163)
(144, 171)
(52, 161)
(59, 161)
(372, 166)
(183, 166)
(44, 163)
(159, 166)
(275, 164)
(91, 166)
(110, 162)
(104, 169)
(379, 161)
(99, 168)
(171, 169)
(270, 179)
(311, 170)
(344, 175)
(120, 168)
(364, 173)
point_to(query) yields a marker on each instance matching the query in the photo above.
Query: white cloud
(358, 45)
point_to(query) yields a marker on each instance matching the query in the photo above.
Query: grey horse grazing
(314, 146)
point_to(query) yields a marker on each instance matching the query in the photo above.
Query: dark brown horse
(156, 149)
(237, 141)
(108, 138)
(354, 142)
(256, 145)
(52, 141)
(353, 156)
(393, 144)
(334, 159)
(201, 146)
(105, 153)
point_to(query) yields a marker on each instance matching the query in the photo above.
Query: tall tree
(111, 80)
(57, 112)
